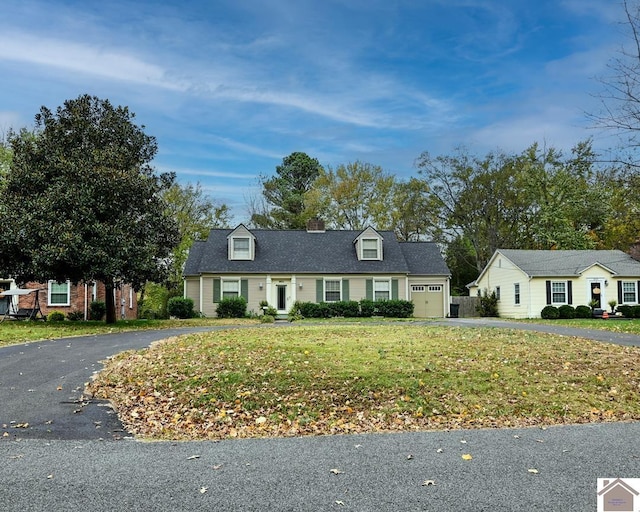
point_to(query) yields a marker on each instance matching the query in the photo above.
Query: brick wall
(80, 299)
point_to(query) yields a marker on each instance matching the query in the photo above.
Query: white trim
(324, 288)
(68, 301)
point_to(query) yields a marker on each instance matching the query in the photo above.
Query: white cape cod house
(316, 265)
(526, 281)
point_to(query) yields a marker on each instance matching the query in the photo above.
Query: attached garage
(428, 300)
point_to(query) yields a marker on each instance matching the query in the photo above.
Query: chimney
(315, 226)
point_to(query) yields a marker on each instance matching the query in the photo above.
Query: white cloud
(85, 59)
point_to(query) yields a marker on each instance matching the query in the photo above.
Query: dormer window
(241, 244)
(369, 245)
(370, 249)
(241, 249)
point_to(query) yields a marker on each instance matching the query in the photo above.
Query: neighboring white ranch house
(316, 265)
(526, 281)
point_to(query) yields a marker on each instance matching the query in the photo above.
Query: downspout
(86, 303)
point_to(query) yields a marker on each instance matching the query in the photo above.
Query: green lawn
(327, 379)
(12, 332)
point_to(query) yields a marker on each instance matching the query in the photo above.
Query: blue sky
(229, 88)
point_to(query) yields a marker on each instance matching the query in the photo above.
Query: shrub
(583, 312)
(267, 319)
(55, 316)
(488, 304)
(180, 307)
(347, 309)
(550, 313)
(627, 311)
(235, 307)
(636, 311)
(395, 308)
(367, 308)
(567, 311)
(75, 316)
(97, 310)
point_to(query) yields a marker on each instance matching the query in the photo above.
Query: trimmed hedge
(583, 312)
(97, 310)
(180, 307)
(347, 309)
(367, 308)
(352, 309)
(395, 308)
(567, 311)
(550, 313)
(235, 307)
(627, 311)
(55, 316)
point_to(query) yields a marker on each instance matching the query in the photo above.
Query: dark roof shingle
(330, 252)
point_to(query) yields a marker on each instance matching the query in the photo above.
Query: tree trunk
(110, 302)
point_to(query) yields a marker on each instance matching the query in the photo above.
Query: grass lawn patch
(331, 379)
(12, 331)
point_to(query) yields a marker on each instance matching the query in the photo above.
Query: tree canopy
(284, 194)
(82, 201)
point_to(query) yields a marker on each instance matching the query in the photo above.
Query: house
(314, 265)
(617, 495)
(525, 281)
(67, 297)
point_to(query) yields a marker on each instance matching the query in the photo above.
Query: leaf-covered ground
(315, 380)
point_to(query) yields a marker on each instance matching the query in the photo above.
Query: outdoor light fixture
(606, 282)
(260, 285)
(300, 286)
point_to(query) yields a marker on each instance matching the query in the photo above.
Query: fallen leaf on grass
(21, 425)
(467, 456)
(336, 471)
(533, 470)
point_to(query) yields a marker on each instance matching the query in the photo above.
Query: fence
(467, 305)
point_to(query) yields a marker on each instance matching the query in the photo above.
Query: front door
(596, 294)
(281, 298)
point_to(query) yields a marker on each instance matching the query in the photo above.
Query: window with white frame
(559, 292)
(241, 248)
(59, 294)
(381, 290)
(332, 290)
(230, 289)
(629, 292)
(370, 249)
(516, 294)
(497, 292)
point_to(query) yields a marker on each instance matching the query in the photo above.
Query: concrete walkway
(62, 452)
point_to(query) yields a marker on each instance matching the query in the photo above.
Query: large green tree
(196, 214)
(283, 205)
(536, 200)
(83, 203)
(354, 196)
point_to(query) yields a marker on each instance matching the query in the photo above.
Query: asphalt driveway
(59, 451)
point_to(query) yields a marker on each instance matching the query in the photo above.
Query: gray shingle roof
(571, 263)
(331, 252)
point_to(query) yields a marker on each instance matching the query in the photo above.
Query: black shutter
(569, 292)
(548, 292)
(620, 292)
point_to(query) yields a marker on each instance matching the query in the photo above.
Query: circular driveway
(60, 451)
